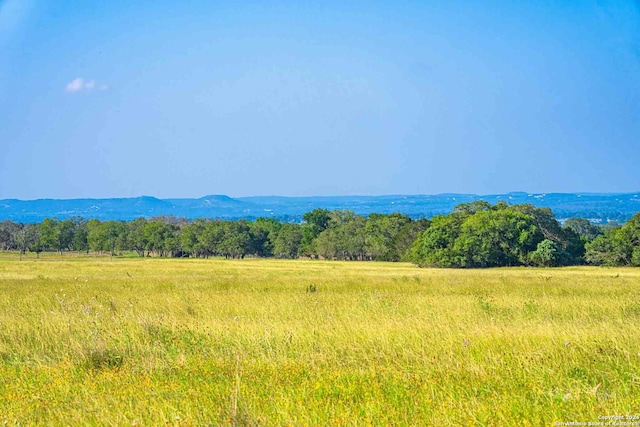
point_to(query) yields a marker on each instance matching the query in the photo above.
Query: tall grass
(99, 341)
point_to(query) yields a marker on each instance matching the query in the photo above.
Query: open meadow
(148, 341)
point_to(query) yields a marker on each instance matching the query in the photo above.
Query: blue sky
(121, 98)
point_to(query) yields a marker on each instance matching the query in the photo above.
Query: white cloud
(79, 84)
(75, 85)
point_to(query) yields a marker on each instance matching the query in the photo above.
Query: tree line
(478, 234)
(339, 235)
(474, 235)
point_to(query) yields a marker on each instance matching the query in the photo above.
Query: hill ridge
(598, 207)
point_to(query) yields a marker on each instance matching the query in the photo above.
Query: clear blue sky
(182, 99)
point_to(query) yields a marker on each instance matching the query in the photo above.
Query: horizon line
(333, 196)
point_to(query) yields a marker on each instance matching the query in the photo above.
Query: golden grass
(129, 341)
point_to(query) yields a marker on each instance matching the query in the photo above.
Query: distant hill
(598, 207)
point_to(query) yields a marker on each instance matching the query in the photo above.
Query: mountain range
(597, 207)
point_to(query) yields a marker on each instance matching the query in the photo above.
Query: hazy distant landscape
(597, 207)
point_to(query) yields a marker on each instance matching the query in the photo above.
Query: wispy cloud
(79, 84)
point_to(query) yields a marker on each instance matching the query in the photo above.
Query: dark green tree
(236, 241)
(80, 235)
(434, 246)
(9, 234)
(583, 228)
(288, 240)
(406, 236)
(617, 246)
(66, 234)
(136, 236)
(211, 238)
(382, 233)
(32, 238)
(264, 232)
(191, 238)
(315, 222)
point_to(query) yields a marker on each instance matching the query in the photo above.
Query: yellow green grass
(128, 341)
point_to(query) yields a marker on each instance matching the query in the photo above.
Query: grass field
(148, 342)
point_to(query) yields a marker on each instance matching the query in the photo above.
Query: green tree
(66, 233)
(80, 233)
(546, 254)
(481, 235)
(344, 237)
(617, 246)
(136, 236)
(107, 236)
(319, 218)
(406, 236)
(381, 236)
(264, 232)
(434, 246)
(9, 234)
(583, 228)
(191, 238)
(326, 244)
(159, 238)
(57, 235)
(28, 239)
(608, 249)
(473, 207)
(32, 238)
(288, 240)
(315, 222)
(569, 244)
(236, 241)
(544, 220)
(211, 238)
(352, 238)
(496, 238)
(49, 233)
